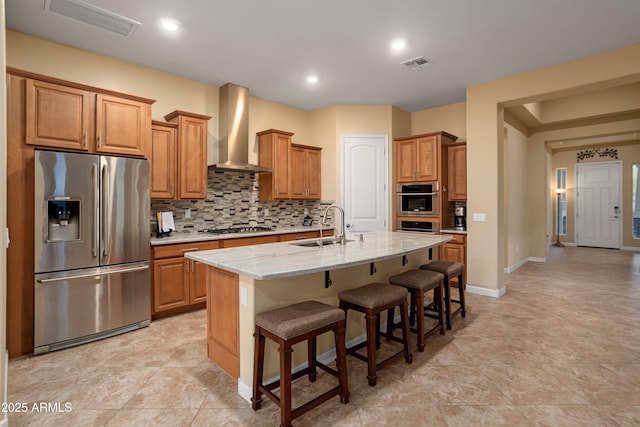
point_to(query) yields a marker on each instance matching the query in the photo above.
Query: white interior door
(364, 183)
(598, 207)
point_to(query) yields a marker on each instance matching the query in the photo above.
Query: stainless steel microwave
(417, 199)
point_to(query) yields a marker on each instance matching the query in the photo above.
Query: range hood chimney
(234, 130)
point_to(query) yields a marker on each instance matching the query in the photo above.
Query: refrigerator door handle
(104, 273)
(96, 210)
(106, 240)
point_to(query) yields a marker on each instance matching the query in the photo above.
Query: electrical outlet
(479, 216)
(187, 213)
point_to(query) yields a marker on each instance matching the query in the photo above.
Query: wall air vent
(92, 15)
(415, 63)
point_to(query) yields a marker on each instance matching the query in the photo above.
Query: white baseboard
(537, 259)
(4, 422)
(495, 293)
(630, 248)
(516, 266)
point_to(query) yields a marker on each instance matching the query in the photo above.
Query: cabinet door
(198, 283)
(122, 126)
(163, 162)
(406, 161)
(281, 166)
(192, 158)
(453, 252)
(57, 116)
(298, 173)
(171, 283)
(313, 169)
(458, 172)
(427, 157)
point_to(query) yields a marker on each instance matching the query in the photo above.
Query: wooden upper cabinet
(275, 153)
(457, 172)
(192, 154)
(305, 172)
(417, 159)
(427, 158)
(123, 126)
(163, 160)
(57, 116)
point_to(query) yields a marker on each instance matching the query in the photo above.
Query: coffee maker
(460, 220)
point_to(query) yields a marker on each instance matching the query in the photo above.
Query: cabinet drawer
(246, 241)
(177, 250)
(457, 238)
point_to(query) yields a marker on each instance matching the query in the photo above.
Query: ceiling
(270, 46)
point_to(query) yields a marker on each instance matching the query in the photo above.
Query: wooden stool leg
(418, 304)
(447, 302)
(378, 331)
(285, 384)
(258, 365)
(413, 309)
(461, 291)
(311, 358)
(437, 296)
(372, 322)
(404, 316)
(341, 361)
(390, 316)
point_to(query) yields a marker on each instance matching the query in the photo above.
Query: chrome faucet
(342, 237)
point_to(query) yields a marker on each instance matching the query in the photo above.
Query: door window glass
(561, 184)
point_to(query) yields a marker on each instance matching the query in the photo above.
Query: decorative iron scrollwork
(600, 152)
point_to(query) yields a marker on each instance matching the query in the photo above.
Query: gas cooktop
(235, 230)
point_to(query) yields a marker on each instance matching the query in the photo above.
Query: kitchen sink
(316, 242)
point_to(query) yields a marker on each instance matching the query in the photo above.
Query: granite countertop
(453, 231)
(284, 259)
(206, 237)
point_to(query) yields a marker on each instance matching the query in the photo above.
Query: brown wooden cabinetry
(163, 160)
(455, 250)
(122, 126)
(458, 172)
(275, 154)
(191, 152)
(70, 116)
(57, 116)
(417, 159)
(305, 172)
(177, 281)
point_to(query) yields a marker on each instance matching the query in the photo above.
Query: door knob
(348, 225)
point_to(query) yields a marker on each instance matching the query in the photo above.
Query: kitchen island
(242, 282)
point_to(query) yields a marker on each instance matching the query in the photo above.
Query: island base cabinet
(223, 320)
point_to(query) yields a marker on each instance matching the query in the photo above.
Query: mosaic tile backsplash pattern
(232, 201)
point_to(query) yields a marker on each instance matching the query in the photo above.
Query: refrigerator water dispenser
(63, 220)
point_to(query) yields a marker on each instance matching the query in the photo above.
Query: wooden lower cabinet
(178, 282)
(455, 250)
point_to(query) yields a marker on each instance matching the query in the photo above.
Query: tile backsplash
(232, 201)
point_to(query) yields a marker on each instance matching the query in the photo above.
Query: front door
(598, 207)
(364, 182)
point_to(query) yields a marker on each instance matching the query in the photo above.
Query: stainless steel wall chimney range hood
(234, 130)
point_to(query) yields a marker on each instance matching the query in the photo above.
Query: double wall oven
(420, 201)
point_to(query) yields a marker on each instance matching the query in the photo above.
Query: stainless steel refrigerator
(91, 248)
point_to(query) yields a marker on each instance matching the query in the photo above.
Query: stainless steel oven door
(432, 227)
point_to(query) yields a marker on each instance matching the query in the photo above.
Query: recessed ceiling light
(312, 79)
(398, 44)
(170, 24)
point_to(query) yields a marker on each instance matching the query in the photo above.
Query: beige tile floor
(561, 348)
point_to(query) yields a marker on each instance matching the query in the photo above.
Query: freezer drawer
(83, 305)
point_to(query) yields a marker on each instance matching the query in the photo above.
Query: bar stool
(373, 299)
(418, 283)
(287, 326)
(450, 270)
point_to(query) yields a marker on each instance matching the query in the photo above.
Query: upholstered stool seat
(450, 269)
(290, 325)
(373, 299)
(418, 283)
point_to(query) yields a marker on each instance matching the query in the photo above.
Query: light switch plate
(244, 296)
(187, 213)
(479, 216)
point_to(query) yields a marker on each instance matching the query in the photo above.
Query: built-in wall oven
(418, 226)
(417, 199)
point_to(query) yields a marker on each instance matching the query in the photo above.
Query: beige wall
(322, 127)
(449, 118)
(627, 154)
(517, 200)
(485, 103)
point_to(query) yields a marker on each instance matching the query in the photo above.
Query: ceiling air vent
(92, 15)
(415, 63)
